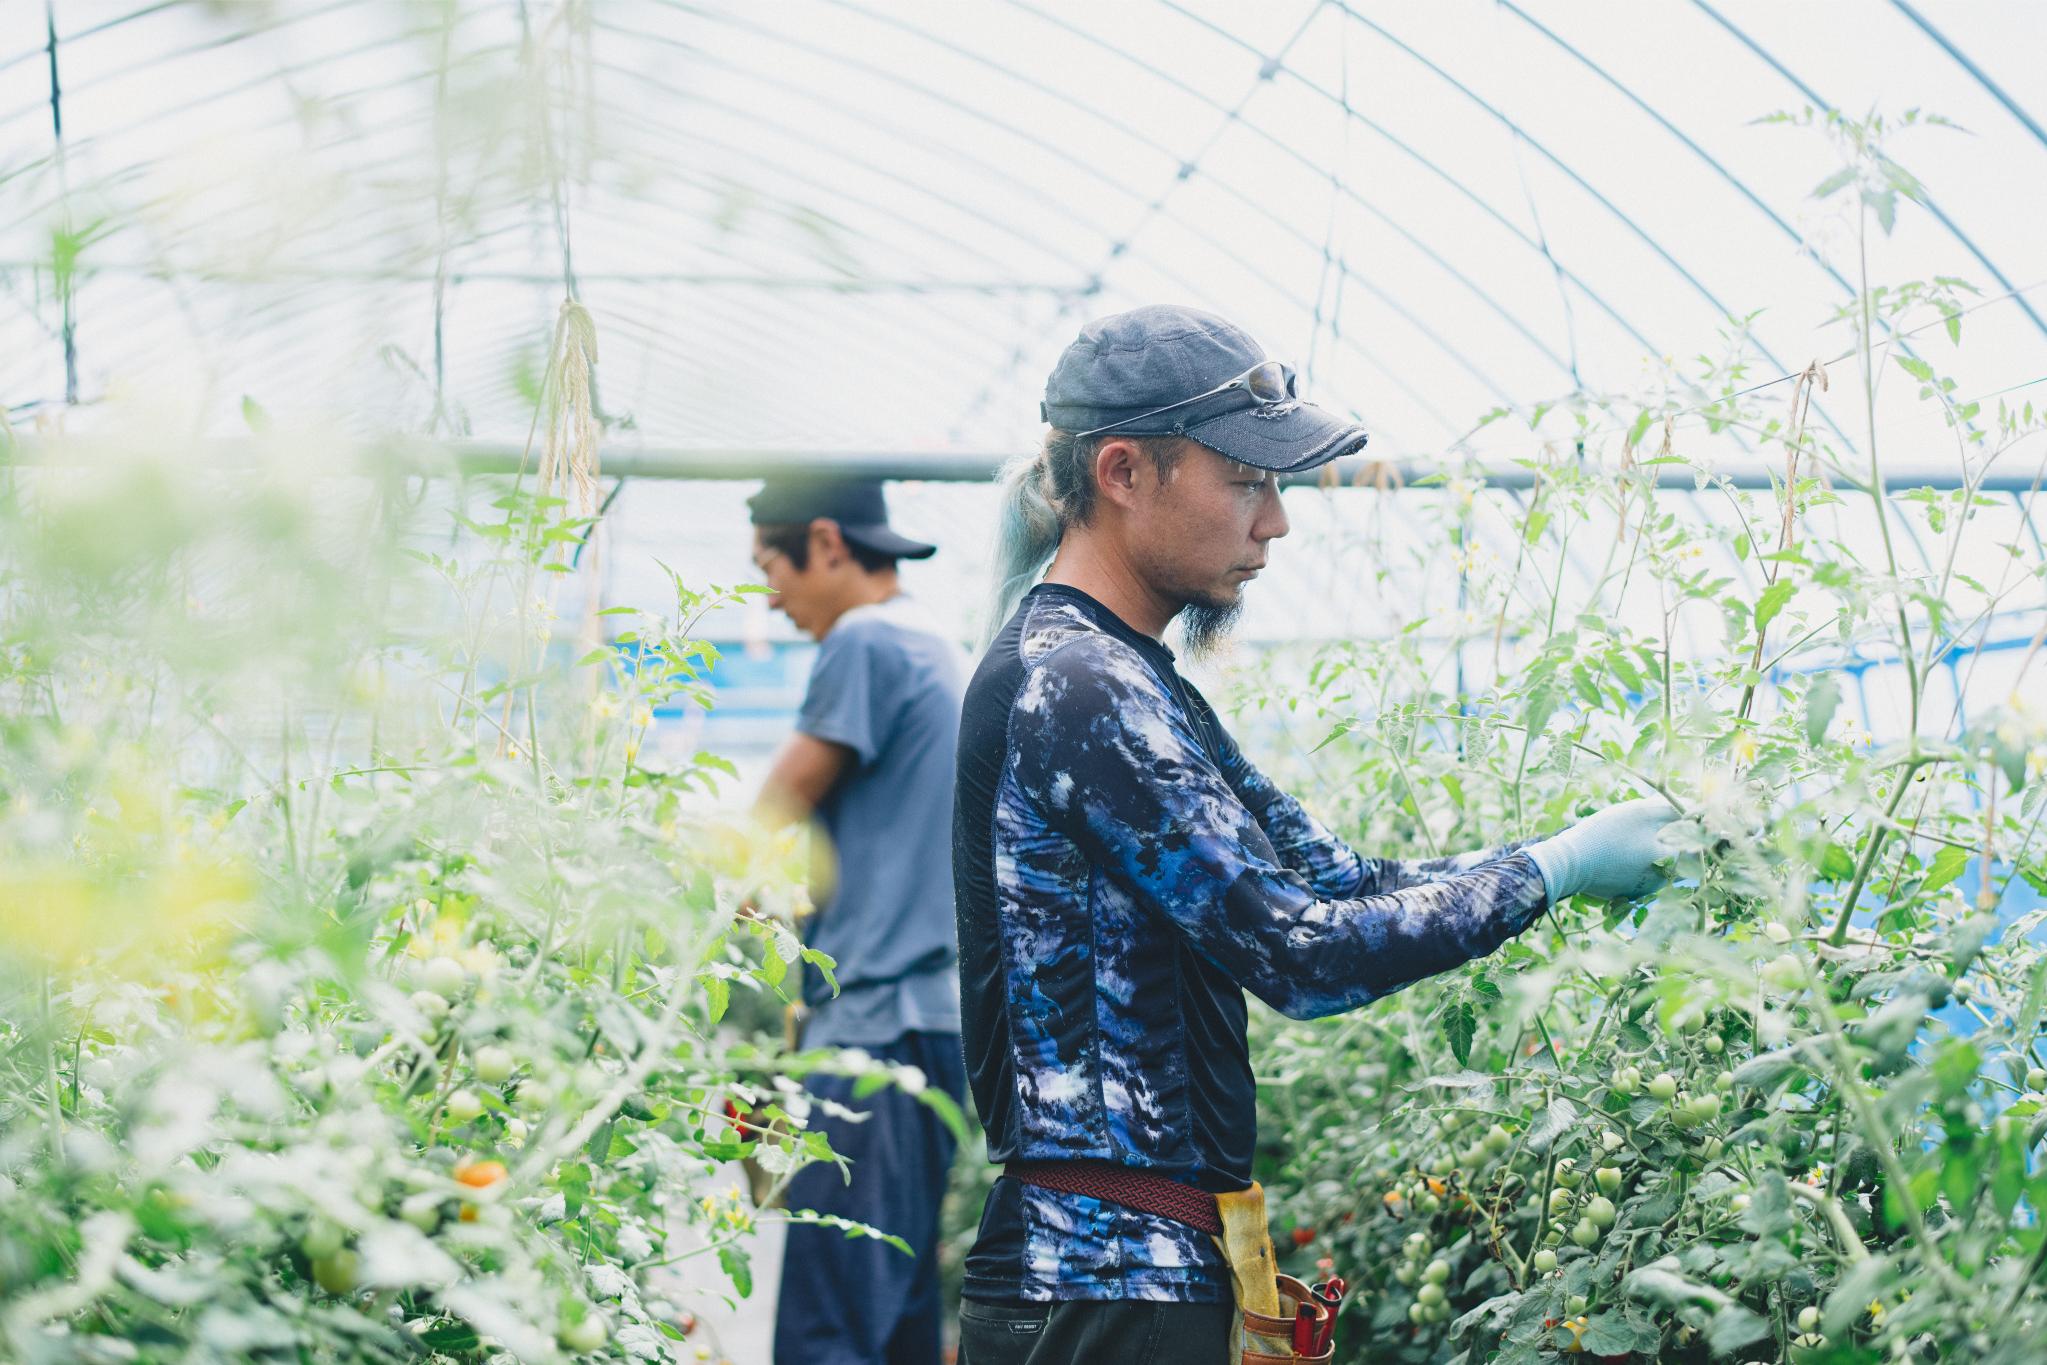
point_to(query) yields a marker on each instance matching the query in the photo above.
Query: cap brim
(882, 540)
(1295, 438)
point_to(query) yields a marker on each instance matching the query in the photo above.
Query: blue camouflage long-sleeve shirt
(1124, 874)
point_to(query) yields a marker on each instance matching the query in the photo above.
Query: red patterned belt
(1143, 1191)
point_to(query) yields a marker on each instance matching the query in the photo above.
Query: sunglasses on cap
(1267, 383)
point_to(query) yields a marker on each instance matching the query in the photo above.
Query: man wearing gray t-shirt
(872, 763)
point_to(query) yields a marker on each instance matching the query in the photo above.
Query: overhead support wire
(1295, 155)
(67, 271)
(1187, 167)
(1426, 163)
(1926, 200)
(1646, 238)
(1740, 186)
(1996, 91)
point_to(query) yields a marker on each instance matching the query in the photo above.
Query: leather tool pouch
(1267, 1301)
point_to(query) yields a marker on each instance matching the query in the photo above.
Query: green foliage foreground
(363, 979)
(1741, 1121)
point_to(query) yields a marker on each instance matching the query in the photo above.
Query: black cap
(856, 504)
(1123, 367)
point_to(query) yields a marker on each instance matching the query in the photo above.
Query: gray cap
(858, 505)
(1122, 369)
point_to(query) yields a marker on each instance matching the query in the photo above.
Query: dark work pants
(855, 1300)
(1091, 1333)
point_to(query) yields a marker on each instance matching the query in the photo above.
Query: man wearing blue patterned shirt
(1124, 874)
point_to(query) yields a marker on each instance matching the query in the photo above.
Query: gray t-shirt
(888, 686)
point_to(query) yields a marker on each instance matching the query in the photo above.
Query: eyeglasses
(1267, 383)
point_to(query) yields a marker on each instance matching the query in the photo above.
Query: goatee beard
(1204, 626)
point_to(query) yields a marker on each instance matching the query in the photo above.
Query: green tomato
(423, 1211)
(463, 1106)
(1417, 1313)
(1663, 1085)
(2036, 1078)
(430, 1005)
(493, 1064)
(1545, 1261)
(1609, 1179)
(587, 1334)
(1498, 1139)
(1566, 1174)
(1430, 1294)
(1429, 1203)
(1586, 1234)
(1417, 1244)
(1576, 1304)
(1559, 1200)
(1600, 1210)
(1808, 1319)
(1627, 1080)
(337, 1273)
(1776, 932)
(535, 1096)
(322, 1239)
(1724, 1081)
(1610, 1141)
(1785, 972)
(1438, 1272)
(1404, 1274)
(444, 976)
(1713, 1043)
(1713, 1148)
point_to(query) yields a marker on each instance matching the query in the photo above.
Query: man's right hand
(1611, 854)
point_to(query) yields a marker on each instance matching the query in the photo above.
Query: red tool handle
(1330, 1294)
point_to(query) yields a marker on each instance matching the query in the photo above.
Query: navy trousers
(855, 1300)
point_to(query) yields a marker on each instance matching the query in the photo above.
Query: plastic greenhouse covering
(1528, 244)
(857, 233)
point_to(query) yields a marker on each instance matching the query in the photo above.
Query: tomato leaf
(1948, 864)
(1460, 1023)
(1821, 700)
(1556, 1120)
(1772, 601)
(738, 1267)
(1732, 1328)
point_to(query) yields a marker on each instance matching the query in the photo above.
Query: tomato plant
(367, 985)
(1787, 1108)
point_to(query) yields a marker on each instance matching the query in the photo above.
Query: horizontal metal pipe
(981, 467)
(945, 466)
